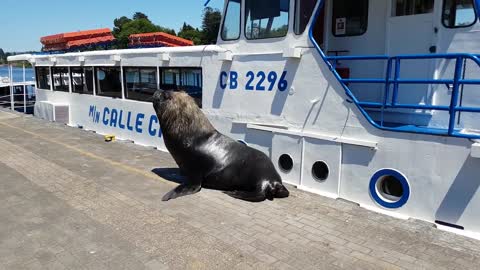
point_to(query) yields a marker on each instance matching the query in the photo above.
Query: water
(18, 73)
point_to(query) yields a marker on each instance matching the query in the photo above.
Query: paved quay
(69, 200)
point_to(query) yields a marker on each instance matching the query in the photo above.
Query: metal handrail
(394, 64)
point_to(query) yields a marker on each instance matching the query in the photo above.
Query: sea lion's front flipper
(251, 196)
(181, 190)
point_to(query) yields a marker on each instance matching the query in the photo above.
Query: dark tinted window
(185, 79)
(43, 77)
(266, 19)
(140, 83)
(108, 82)
(61, 79)
(303, 12)
(82, 80)
(350, 17)
(458, 13)
(412, 7)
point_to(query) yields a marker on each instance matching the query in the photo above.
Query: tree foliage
(3, 56)
(210, 25)
(140, 23)
(188, 32)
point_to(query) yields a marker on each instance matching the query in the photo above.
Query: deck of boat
(69, 200)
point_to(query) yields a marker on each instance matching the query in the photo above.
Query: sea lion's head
(274, 189)
(161, 99)
(178, 112)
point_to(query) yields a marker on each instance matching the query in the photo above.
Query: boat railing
(25, 102)
(390, 96)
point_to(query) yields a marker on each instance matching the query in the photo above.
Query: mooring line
(94, 156)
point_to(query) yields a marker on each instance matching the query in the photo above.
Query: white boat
(372, 101)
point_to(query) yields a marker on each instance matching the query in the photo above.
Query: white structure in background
(15, 95)
(372, 101)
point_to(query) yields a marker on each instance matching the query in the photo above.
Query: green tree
(118, 23)
(134, 27)
(140, 15)
(188, 32)
(3, 57)
(124, 27)
(210, 25)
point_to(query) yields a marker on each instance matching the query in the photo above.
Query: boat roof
(184, 49)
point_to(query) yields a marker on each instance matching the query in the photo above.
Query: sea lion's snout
(276, 190)
(162, 96)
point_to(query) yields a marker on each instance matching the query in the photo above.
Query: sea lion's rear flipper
(251, 196)
(181, 190)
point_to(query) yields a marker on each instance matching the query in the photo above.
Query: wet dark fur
(210, 159)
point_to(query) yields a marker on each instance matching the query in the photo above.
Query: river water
(18, 73)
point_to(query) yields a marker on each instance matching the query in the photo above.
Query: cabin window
(458, 13)
(412, 7)
(231, 23)
(303, 12)
(82, 80)
(61, 79)
(140, 83)
(108, 82)
(266, 19)
(350, 17)
(183, 79)
(43, 77)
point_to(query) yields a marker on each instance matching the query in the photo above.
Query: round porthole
(320, 171)
(389, 188)
(285, 162)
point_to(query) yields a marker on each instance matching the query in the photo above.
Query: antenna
(206, 3)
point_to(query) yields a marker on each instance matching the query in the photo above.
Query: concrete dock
(70, 200)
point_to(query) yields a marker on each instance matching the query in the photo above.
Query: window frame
(69, 78)
(279, 37)
(347, 35)
(179, 87)
(239, 26)
(83, 69)
(295, 17)
(460, 26)
(139, 68)
(97, 82)
(48, 77)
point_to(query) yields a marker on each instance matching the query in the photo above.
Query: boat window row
(265, 19)
(139, 83)
(270, 19)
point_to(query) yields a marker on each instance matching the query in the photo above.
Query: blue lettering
(97, 117)
(120, 125)
(129, 127)
(91, 111)
(139, 122)
(151, 129)
(233, 80)
(106, 111)
(113, 118)
(223, 78)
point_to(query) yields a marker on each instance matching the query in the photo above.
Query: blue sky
(22, 23)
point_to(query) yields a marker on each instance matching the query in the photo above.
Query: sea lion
(210, 159)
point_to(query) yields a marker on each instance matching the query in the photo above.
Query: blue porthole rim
(400, 177)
